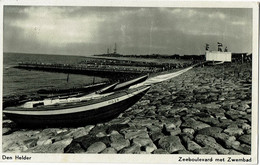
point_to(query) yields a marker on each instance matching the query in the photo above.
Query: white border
(125, 158)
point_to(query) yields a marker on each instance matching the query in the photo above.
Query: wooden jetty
(85, 69)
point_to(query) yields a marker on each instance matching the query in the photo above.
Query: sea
(25, 82)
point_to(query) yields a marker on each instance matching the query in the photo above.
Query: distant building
(240, 56)
(218, 56)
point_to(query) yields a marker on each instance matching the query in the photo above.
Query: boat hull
(82, 117)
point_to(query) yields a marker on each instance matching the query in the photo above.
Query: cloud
(91, 30)
(48, 25)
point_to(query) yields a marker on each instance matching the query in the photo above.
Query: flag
(226, 49)
(207, 46)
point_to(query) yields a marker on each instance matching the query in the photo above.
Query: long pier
(102, 70)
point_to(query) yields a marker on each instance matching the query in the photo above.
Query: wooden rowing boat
(129, 83)
(88, 109)
(71, 91)
(90, 88)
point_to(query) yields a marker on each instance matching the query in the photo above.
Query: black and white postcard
(129, 82)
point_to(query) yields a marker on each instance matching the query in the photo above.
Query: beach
(206, 110)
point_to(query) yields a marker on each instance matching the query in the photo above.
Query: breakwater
(80, 69)
(106, 67)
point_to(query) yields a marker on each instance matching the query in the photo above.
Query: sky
(92, 30)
